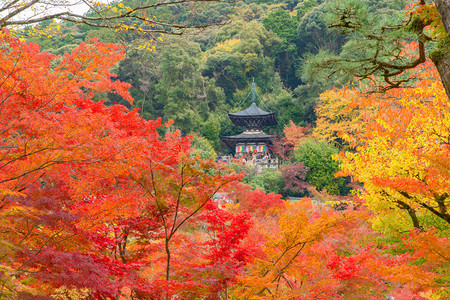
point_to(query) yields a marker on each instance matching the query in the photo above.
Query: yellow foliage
(52, 30)
(227, 45)
(64, 293)
(339, 117)
(403, 158)
(8, 192)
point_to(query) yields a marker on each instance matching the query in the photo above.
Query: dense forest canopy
(198, 78)
(287, 47)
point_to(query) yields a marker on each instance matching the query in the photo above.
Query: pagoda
(253, 137)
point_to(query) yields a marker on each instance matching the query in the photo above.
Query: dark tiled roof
(256, 135)
(247, 138)
(253, 110)
(253, 117)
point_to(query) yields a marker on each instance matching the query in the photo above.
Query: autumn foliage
(93, 198)
(401, 157)
(97, 204)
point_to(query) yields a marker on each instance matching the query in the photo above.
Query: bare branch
(105, 15)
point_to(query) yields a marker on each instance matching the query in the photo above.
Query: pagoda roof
(254, 113)
(252, 110)
(247, 137)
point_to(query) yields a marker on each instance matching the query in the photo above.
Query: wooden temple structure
(251, 147)
(253, 138)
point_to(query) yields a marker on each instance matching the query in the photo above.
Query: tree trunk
(411, 213)
(443, 7)
(168, 260)
(441, 57)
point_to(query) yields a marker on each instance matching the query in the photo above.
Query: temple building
(253, 138)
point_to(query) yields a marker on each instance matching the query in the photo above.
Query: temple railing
(258, 163)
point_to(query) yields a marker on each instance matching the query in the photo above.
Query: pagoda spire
(253, 91)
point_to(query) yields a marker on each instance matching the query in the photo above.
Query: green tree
(228, 71)
(303, 7)
(285, 27)
(318, 158)
(245, 54)
(377, 35)
(313, 33)
(289, 4)
(286, 108)
(168, 84)
(202, 147)
(269, 181)
(210, 129)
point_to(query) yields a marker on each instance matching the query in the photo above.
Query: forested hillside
(197, 78)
